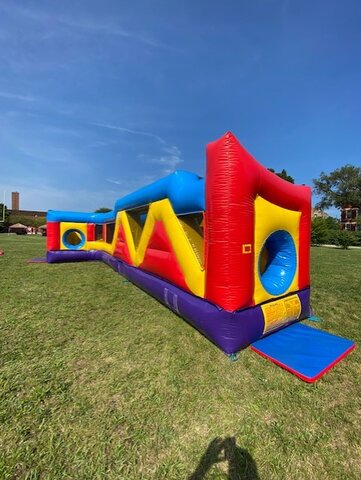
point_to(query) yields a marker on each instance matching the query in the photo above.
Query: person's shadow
(241, 465)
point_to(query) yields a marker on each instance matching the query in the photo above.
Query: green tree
(38, 221)
(357, 238)
(345, 239)
(340, 187)
(29, 221)
(103, 210)
(283, 174)
(327, 230)
(332, 223)
(319, 231)
(4, 215)
(333, 227)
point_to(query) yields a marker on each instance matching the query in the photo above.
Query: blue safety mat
(303, 350)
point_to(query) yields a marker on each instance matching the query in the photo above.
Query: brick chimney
(15, 200)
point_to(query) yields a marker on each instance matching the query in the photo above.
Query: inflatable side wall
(230, 253)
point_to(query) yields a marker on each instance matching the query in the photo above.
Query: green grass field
(100, 381)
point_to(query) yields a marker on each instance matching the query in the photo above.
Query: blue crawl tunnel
(74, 239)
(278, 262)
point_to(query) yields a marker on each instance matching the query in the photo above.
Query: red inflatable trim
(53, 236)
(160, 258)
(90, 232)
(234, 179)
(121, 248)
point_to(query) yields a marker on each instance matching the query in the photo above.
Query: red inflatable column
(305, 244)
(229, 230)
(90, 232)
(52, 236)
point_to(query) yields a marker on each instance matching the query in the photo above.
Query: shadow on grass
(240, 464)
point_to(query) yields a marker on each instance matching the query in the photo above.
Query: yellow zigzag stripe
(101, 244)
(162, 211)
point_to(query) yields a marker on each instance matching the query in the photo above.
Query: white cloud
(109, 28)
(173, 150)
(169, 160)
(88, 25)
(114, 182)
(170, 155)
(17, 96)
(130, 131)
(128, 185)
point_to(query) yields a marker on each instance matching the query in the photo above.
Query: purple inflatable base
(230, 331)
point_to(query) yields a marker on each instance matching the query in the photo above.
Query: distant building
(28, 213)
(15, 208)
(349, 217)
(15, 200)
(317, 213)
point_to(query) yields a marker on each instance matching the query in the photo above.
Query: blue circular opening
(277, 262)
(73, 239)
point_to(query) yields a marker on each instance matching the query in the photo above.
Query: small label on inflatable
(173, 306)
(281, 311)
(246, 248)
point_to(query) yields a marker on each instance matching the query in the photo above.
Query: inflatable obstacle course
(229, 253)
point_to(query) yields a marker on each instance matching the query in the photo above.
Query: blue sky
(98, 98)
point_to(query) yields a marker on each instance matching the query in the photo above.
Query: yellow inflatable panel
(73, 236)
(280, 312)
(192, 269)
(270, 218)
(124, 221)
(103, 245)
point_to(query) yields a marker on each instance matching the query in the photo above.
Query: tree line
(340, 188)
(13, 217)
